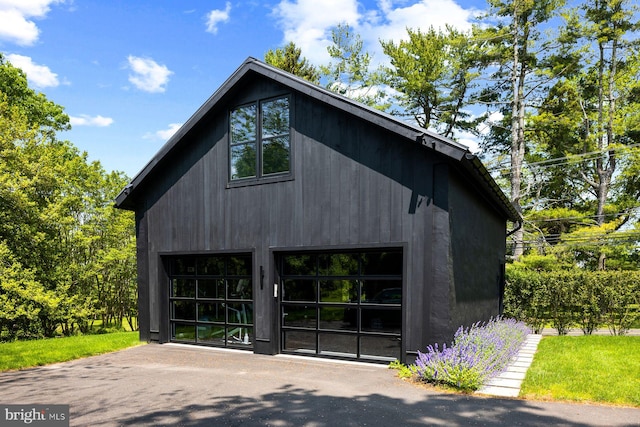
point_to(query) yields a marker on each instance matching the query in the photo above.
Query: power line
(614, 234)
(561, 161)
(569, 218)
(596, 239)
(539, 167)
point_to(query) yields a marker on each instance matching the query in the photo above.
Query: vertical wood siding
(353, 184)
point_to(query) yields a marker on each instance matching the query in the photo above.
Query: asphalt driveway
(190, 386)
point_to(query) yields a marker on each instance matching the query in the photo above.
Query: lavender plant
(477, 354)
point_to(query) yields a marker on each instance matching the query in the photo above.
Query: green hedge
(588, 300)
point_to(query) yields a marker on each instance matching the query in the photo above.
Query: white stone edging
(508, 383)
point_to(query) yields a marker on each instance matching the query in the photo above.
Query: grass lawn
(97, 326)
(596, 368)
(25, 354)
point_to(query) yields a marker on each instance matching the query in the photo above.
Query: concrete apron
(508, 383)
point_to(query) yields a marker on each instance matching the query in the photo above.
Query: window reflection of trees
(243, 124)
(274, 139)
(275, 118)
(243, 142)
(243, 161)
(275, 155)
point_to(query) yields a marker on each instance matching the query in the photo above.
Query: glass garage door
(211, 300)
(342, 304)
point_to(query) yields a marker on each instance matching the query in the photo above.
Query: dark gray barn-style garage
(283, 218)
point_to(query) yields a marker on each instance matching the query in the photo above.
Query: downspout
(519, 222)
(518, 227)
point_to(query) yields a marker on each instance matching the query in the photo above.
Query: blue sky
(130, 72)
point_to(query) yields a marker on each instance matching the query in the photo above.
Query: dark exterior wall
(437, 296)
(144, 315)
(352, 185)
(478, 248)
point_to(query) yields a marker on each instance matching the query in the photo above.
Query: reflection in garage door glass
(342, 304)
(211, 300)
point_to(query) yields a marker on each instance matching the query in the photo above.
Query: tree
(434, 74)
(289, 59)
(60, 236)
(111, 277)
(591, 117)
(515, 47)
(608, 23)
(40, 112)
(22, 299)
(349, 71)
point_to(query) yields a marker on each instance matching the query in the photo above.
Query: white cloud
(470, 141)
(494, 118)
(15, 28)
(473, 141)
(15, 19)
(86, 120)
(168, 133)
(164, 134)
(148, 75)
(217, 16)
(308, 23)
(393, 22)
(39, 76)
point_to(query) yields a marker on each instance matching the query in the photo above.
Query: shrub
(560, 288)
(620, 298)
(526, 298)
(589, 303)
(476, 355)
(585, 299)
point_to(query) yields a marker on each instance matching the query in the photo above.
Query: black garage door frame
(341, 303)
(211, 299)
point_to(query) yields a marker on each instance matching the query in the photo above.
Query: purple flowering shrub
(477, 354)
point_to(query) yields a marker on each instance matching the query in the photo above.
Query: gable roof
(451, 149)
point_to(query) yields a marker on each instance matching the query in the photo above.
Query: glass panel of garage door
(342, 304)
(211, 300)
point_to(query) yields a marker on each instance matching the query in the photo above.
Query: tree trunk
(606, 163)
(518, 75)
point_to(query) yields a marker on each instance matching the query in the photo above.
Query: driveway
(192, 386)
